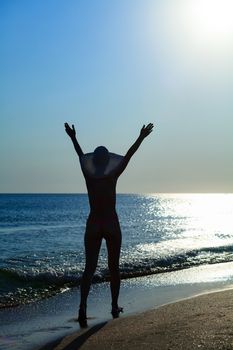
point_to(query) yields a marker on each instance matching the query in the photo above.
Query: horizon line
(138, 193)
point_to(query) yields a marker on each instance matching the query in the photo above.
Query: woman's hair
(101, 156)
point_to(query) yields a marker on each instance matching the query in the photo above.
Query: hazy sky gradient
(109, 67)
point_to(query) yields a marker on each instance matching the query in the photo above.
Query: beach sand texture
(203, 322)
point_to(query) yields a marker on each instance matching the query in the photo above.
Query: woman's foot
(82, 316)
(116, 310)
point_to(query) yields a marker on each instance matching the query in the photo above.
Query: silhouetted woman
(101, 170)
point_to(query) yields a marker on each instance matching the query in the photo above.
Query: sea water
(41, 239)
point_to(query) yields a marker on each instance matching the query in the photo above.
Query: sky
(108, 67)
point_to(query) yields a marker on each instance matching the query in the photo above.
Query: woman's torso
(102, 195)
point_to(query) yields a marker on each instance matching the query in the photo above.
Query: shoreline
(203, 321)
(32, 326)
(98, 280)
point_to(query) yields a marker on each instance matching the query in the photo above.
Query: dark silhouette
(101, 170)
(78, 342)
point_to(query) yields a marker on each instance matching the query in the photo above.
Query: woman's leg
(113, 241)
(92, 242)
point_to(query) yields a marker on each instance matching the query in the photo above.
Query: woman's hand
(69, 131)
(146, 130)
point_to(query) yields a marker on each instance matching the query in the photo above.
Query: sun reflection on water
(192, 221)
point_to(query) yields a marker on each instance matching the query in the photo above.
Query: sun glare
(196, 31)
(210, 21)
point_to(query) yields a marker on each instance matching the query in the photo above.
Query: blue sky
(109, 67)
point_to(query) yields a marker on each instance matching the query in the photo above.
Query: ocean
(41, 239)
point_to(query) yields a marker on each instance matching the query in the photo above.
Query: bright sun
(198, 33)
(210, 21)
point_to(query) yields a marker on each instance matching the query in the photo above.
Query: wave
(20, 287)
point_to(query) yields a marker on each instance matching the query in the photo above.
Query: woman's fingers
(67, 126)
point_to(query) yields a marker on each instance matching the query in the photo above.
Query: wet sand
(32, 326)
(202, 322)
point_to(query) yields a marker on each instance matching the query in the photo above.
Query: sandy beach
(52, 323)
(202, 322)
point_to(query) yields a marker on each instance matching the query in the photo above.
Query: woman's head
(101, 156)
